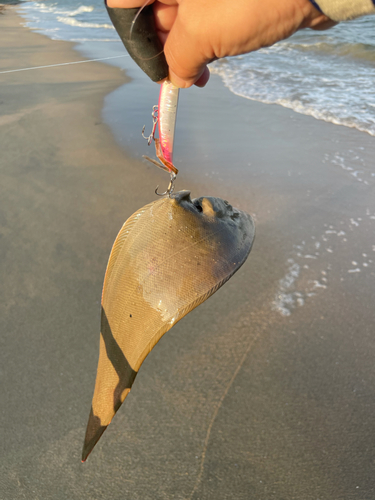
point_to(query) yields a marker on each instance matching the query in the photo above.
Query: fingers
(165, 16)
(187, 52)
(203, 79)
(166, 12)
(191, 66)
(326, 25)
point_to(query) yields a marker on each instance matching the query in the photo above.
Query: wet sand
(267, 389)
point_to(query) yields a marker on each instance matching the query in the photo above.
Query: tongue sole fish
(168, 258)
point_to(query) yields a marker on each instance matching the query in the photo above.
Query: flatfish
(168, 258)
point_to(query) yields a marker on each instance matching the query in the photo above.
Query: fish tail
(114, 380)
(93, 432)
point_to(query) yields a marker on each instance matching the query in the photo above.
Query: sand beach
(267, 390)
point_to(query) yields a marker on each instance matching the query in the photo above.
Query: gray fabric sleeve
(343, 10)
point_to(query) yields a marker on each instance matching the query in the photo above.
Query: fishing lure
(164, 115)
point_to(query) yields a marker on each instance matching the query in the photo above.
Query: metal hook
(154, 123)
(164, 164)
(170, 188)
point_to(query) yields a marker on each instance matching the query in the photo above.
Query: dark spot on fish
(130, 315)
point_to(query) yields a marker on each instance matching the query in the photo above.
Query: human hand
(197, 32)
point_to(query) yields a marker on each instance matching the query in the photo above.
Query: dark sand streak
(216, 411)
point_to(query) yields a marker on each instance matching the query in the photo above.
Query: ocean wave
(53, 8)
(365, 52)
(67, 20)
(304, 109)
(82, 40)
(81, 10)
(82, 24)
(324, 115)
(332, 88)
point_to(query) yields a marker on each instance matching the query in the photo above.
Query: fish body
(168, 258)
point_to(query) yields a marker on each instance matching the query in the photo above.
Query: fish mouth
(181, 196)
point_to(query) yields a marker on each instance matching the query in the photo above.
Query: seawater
(70, 20)
(329, 75)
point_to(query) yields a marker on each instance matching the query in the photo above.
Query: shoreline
(268, 384)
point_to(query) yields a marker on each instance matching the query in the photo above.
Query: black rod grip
(142, 43)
